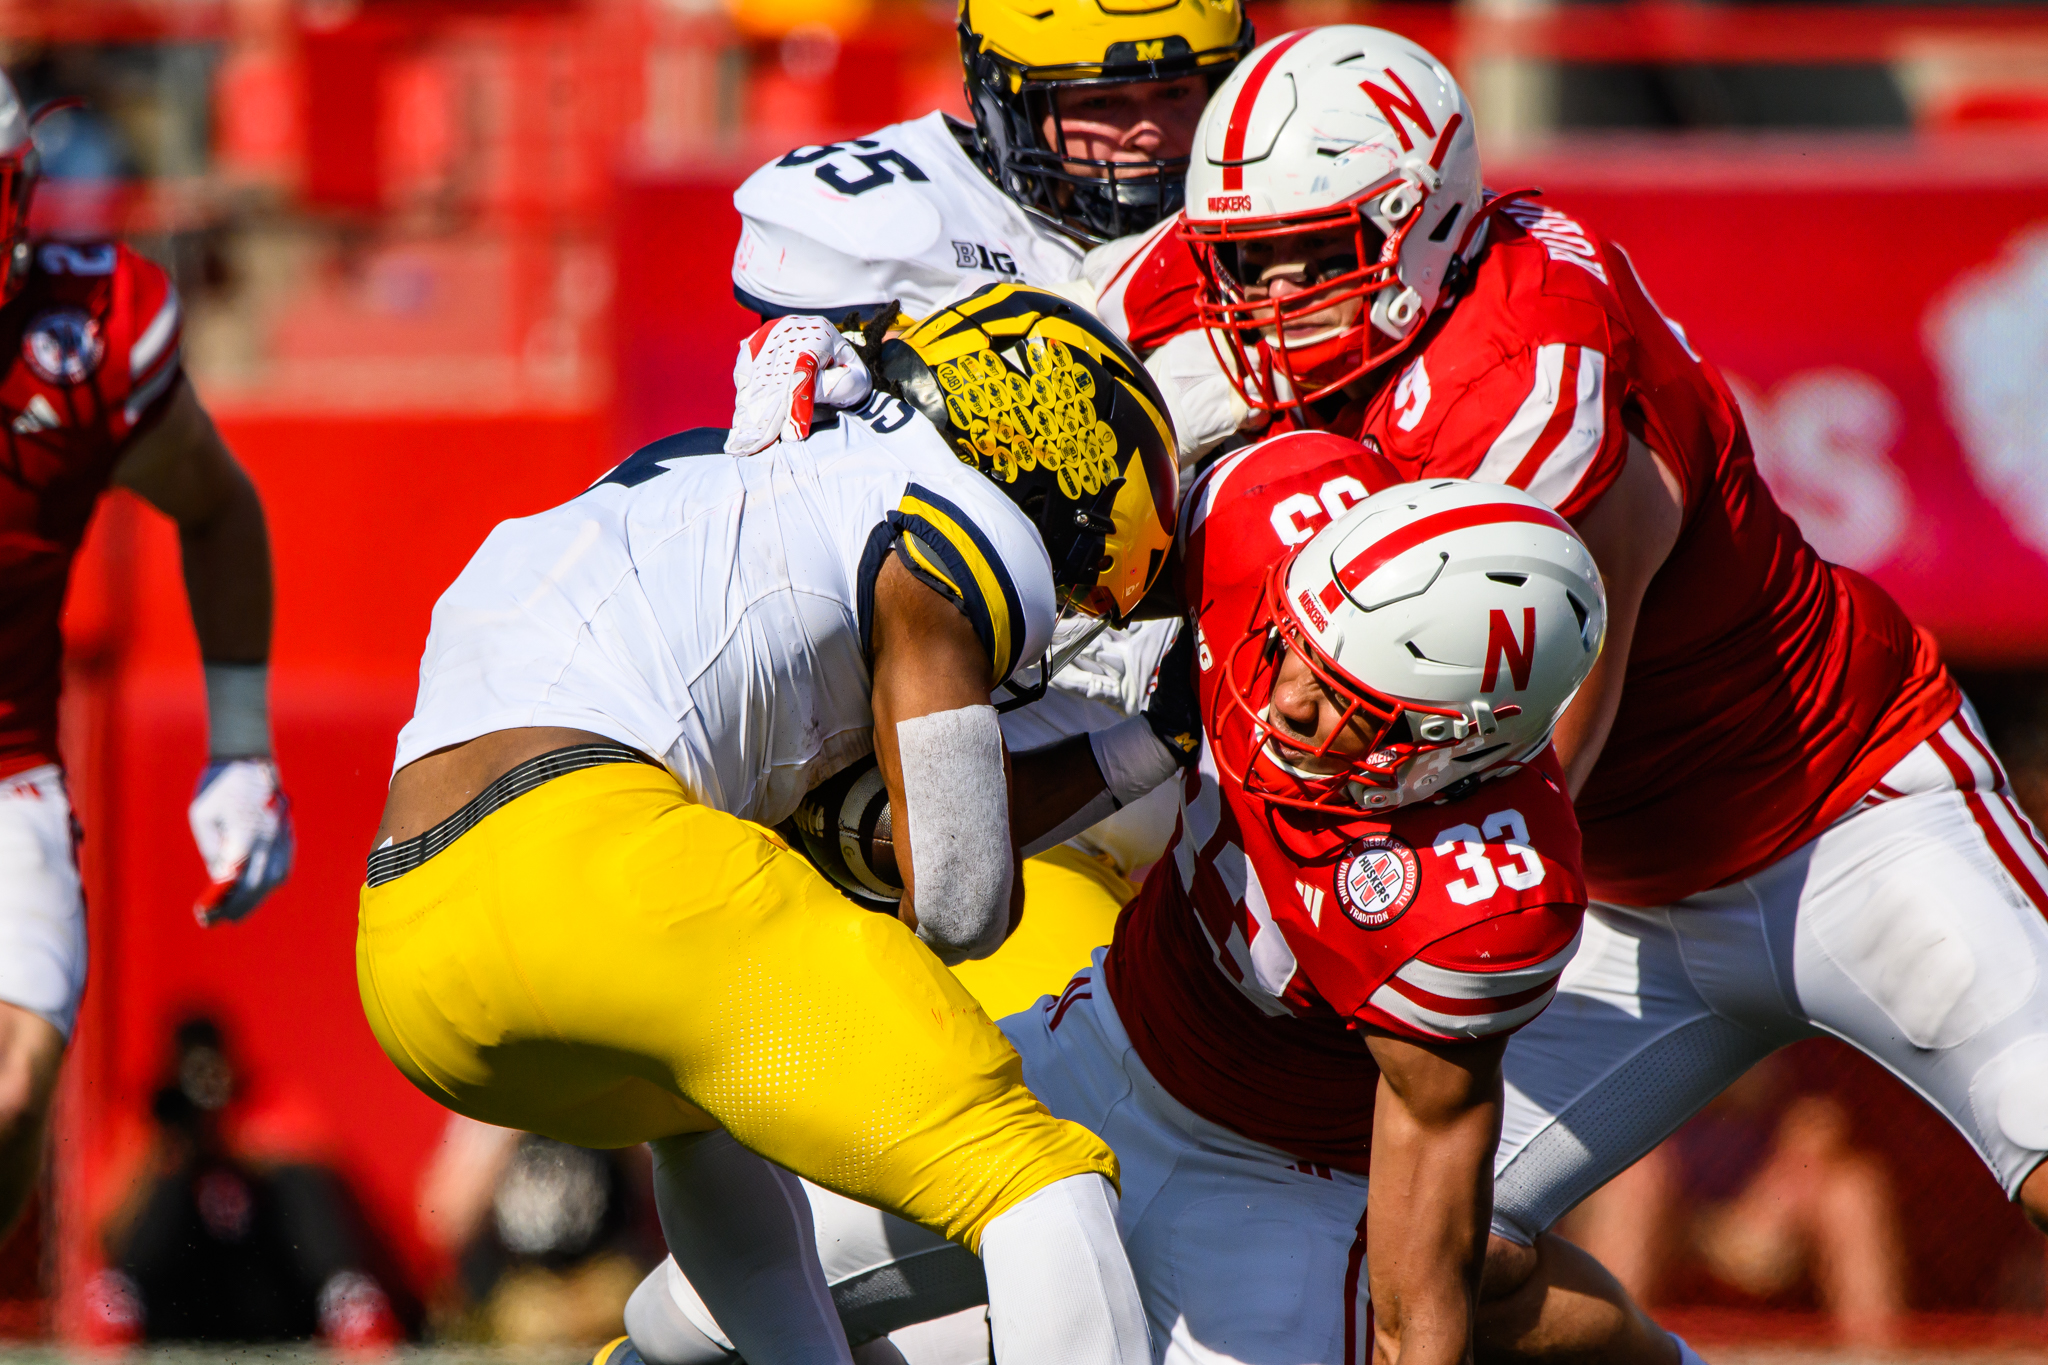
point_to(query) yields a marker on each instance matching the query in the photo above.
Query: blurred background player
(236, 1225)
(547, 1240)
(714, 990)
(1793, 824)
(93, 395)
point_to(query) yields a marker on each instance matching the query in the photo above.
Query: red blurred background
(446, 260)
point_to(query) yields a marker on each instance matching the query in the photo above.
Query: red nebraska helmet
(1454, 620)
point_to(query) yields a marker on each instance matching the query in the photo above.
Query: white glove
(242, 823)
(784, 369)
(1200, 397)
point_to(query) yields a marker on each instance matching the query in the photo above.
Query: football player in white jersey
(1083, 124)
(1083, 120)
(577, 922)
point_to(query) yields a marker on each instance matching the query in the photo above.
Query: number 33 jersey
(715, 611)
(1263, 941)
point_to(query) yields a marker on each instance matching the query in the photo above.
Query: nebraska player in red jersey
(1793, 824)
(92, 393)
(1374, 881)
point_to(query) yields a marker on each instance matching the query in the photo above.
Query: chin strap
(1049, 664)
(1459, 274)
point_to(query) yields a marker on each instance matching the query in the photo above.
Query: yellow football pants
(604, 962)
(1071, 902)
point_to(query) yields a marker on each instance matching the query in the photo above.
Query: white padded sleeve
(958, 825)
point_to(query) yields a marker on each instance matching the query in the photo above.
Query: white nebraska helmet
(1455, 619)
(1339, 129)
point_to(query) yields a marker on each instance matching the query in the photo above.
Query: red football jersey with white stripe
(1767, 689)
(91, 346)
(1263, 940)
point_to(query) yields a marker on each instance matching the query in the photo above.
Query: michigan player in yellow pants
(575, 921)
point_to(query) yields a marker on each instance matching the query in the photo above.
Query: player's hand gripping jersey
(600, 614)
(92, 351)
(1262, 942)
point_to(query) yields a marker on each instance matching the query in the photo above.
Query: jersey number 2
(62, 258)
(1466, 846)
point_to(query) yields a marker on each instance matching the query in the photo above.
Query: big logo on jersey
(1377, 880)
(64, 346)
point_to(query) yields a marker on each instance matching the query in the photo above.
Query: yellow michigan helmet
(1038, 395)
(1017, 53)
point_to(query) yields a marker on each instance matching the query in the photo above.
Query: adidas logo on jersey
(39, 416)
(1311, 901)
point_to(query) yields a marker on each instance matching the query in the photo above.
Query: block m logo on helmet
(1391, 105)
(1501, 643)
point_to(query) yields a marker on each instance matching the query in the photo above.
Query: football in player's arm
(620, 732)
(95, 395)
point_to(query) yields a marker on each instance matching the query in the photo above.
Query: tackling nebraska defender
(93, 394)
(563, 932)
(1793, 824)
(1375, 879)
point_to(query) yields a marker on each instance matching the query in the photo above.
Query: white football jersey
(906, 214)
(903, 213)
(714, 611)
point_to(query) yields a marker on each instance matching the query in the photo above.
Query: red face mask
(1249, 331)
(1274, 771)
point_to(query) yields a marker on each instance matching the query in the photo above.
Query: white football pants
(1914, 928)
(42, 909)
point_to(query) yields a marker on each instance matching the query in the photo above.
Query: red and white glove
(242, 822)
(784, 370)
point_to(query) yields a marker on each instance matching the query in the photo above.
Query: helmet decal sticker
(1501, 643)
(1394, 107)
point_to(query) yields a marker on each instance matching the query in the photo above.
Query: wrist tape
(237, 710)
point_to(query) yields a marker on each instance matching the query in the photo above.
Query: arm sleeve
(1488, 978)
(1546, 420)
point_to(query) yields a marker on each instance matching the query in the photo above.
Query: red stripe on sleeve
(1561, 418)
(1485, 1004)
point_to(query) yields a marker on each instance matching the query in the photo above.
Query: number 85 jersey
(1263, 941)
